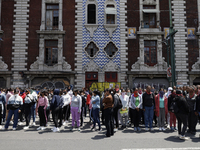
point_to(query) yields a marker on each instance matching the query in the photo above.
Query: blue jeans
(95, 113)
(33, 112)
(16, 115)
(148, 116)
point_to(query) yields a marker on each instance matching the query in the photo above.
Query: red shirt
(88, 99)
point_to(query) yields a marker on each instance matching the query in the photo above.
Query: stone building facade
(57, 43)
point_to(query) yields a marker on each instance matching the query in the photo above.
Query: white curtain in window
(111, 11)
(49, 20)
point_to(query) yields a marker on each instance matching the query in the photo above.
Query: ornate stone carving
(35, 65)
(3, 66)
(65, 65)
(136, 66)
(91, 28)
(111, 66)
(91, 66)
(110, 28)
(196, 66)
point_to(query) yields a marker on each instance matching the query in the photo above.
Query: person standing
(88, 99)
(41, 109)
(21, 114)
(108, 108)
(14, 105)
(76, 105)
(136, 104)
(193, 114)
(66, 104)
(33, 107)
(83, 107)
(95, 110)
(28, 102)
(2, 102)
(181, 110)
(124, 110)
(116, 108)
(171, 110)
(56, 107)
(161, 109)
(8, 95)
(148, 107)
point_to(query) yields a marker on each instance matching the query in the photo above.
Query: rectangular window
(110, 19)
(150, 53)
(149, 18)
(111, 77)
(91, 14)
(52, 17)
(51, 53)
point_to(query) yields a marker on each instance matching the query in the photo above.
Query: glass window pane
(146, 55)
(51, 43)
(152, 20)
(110, 19)
(54, 56)
(111, 49)
(91, 14)
(49, 20)
(52, 6)
(153, 55)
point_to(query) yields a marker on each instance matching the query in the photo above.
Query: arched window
(110, 49)
(91, 49)
(91, 14)
(110, 14)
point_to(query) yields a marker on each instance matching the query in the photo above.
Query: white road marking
(188, 148)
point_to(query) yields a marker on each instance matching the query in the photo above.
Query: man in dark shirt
(149, 107)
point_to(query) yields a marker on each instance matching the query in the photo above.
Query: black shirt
(148, 100)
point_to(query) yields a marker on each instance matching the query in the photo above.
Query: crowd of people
(113, 107)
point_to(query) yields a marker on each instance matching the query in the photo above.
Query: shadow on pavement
(174, 139)
(99, 137)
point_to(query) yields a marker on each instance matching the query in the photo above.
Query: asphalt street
(87, 140)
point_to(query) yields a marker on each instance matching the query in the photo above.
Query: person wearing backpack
(193, 115)
(135, 106)
(181, 110)
(171, 111)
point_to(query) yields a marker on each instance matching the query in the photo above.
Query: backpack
(119, 106)
(174, 107)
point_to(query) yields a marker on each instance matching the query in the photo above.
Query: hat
(178, 92)
(170, 89)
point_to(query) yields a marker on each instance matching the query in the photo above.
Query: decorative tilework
(101, 36)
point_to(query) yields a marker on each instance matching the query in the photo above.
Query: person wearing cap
(193, 114)
(181, 114)
(28, 102)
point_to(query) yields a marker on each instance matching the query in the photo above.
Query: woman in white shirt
(124, 110)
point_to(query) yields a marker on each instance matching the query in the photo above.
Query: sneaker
(4, 129)
(14, 129)
(175, 128)
(146, 129)
(72, 129)
(26, 128)
(79, 129)
(172, 129)
(1, 127)
(163, 129)
(160, 129)
(39, 128)
(183, 137)
(33, 124)
(11, 122)
(53, 128)
(151, 129)
(64, 123)
(101, 130)
(168, 126)
(116, 129)
(43, 128)
(56, 130)
(20, 123)
(138, 129)
(93, 129)
(135, 129)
